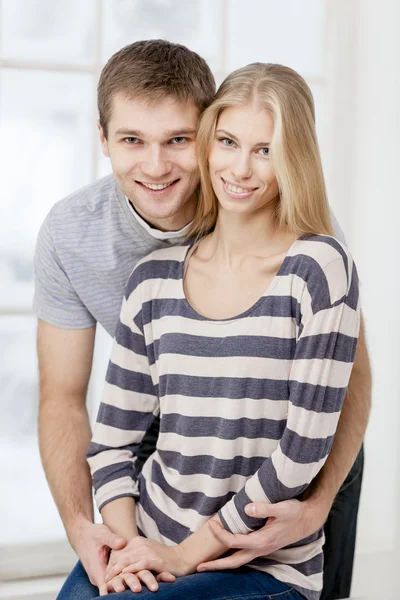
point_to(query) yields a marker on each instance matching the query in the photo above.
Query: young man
(150, 96)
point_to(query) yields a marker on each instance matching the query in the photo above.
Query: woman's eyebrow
(224, 132)
(231, 136)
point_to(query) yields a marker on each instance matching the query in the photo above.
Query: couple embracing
(232, 352)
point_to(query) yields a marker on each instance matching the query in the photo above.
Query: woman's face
(239, 162)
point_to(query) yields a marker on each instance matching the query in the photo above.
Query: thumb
(262, 510)
(115, 542)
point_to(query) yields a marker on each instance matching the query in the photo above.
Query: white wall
(363, 156)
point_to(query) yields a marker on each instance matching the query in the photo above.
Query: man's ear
(103, 140)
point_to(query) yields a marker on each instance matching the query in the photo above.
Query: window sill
(47, 559)
(45, 588)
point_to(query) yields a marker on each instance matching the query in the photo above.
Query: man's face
(153, 157)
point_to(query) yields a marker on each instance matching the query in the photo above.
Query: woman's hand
(133, 582)
(141, 554)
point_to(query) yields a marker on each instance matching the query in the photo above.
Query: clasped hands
(143, 561)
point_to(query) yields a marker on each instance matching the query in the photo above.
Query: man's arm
(293, 520)
(65, 362)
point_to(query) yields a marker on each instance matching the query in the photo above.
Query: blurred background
(51, 54)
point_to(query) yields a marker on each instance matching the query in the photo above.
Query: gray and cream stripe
(249, 405)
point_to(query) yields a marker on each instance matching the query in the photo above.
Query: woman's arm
(294, 520)
(318, 380)
(128, 407)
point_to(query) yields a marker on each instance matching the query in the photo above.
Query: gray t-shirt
(87, 247)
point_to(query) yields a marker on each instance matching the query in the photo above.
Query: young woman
(243, 342)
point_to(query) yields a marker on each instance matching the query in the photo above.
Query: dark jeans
(340, 532)
(241, 584)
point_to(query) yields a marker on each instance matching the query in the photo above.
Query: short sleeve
(55, 299)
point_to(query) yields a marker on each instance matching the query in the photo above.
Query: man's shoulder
(89, 199)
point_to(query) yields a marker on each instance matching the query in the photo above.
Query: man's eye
(264, 151)
(131, 140)
(178, 140)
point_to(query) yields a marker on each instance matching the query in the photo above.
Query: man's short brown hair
(153, 70)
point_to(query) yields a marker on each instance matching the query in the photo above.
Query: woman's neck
(237, 237)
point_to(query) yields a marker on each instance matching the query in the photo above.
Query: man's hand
(92, 543)
(142, 554)
(288, 522)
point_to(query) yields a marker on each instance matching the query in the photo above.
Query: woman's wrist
(185, 566)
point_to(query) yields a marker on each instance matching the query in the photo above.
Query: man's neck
(171, 224)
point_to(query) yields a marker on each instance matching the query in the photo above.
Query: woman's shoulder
(326, 266)
(164, 264)
(322, 248)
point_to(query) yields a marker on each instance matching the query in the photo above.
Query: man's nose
(156, 164)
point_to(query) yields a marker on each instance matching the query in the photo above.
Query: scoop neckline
(248, 311)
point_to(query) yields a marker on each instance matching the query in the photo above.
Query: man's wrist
(76, 527)
(316, 508)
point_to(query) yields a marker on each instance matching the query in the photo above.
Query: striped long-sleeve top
(248, 405)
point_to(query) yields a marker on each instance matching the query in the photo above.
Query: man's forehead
(174, 113)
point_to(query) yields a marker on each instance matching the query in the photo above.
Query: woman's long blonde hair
(302, 206)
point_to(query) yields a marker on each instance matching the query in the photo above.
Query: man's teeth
(159, 186)
(237, 190)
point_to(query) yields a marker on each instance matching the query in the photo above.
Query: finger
(108, 538)
(147, 564)
(234, 561)
(148, 579)
(133, 582)
(103, 590)
(114, 570)
(97, 573)
(230, 540)
(117, 584)
(263, 510)
(166, 577)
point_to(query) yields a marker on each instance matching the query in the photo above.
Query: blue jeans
(240, 584)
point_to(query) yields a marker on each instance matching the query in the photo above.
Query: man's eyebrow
(231, 136)
(168, 134)
(130, 132)
(180, 132)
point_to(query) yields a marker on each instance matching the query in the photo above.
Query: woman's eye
(178, 140)
(131, 140)
(264, 151)
(228, 142)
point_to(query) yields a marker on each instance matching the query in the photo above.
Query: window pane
(287, 32)
(36, 519)
(195, 24)
(49, 30)
(46, 124)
